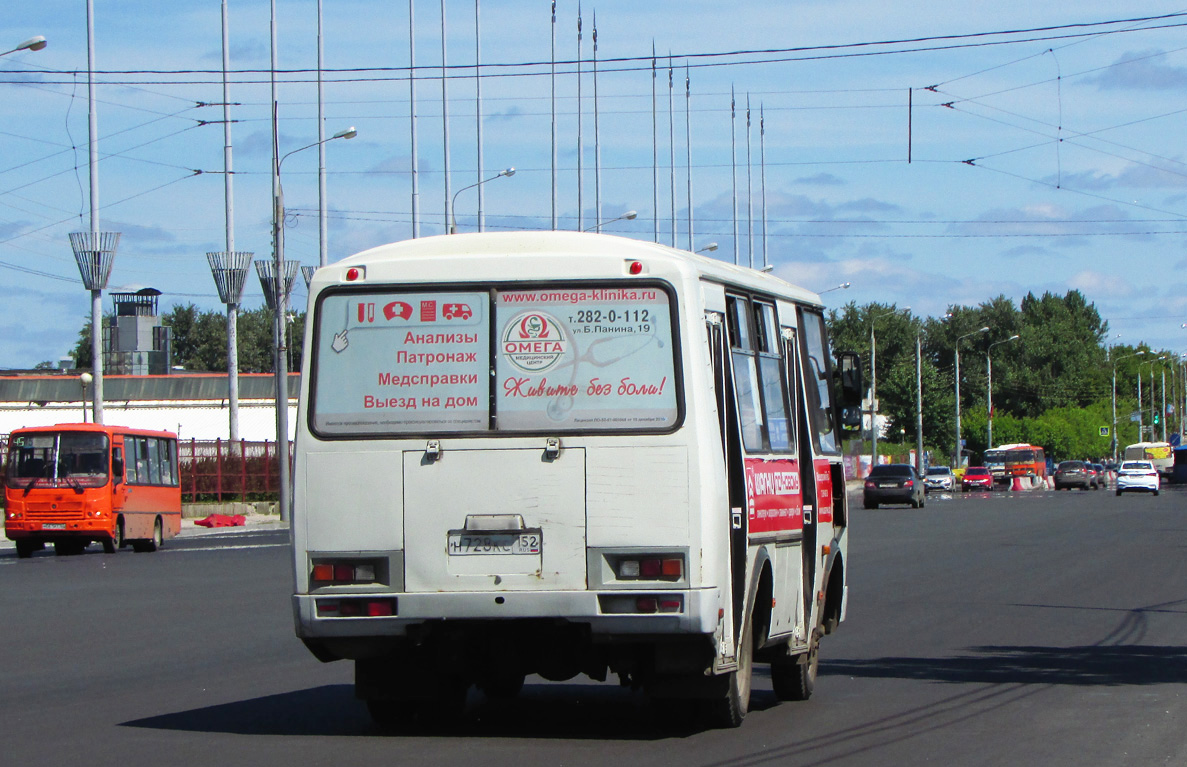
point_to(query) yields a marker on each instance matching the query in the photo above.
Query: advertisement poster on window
(584, 358)
(402, 362)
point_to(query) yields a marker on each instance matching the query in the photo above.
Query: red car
(976, 478)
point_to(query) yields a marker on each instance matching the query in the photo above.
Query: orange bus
(80, 483)
(1023, 460)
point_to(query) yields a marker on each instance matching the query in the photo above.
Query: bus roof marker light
(355, 273)
(634, 267)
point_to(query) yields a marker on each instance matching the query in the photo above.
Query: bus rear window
(557, 359)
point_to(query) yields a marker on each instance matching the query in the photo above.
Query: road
(986, 629)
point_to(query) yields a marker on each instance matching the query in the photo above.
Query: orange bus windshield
(63, 459)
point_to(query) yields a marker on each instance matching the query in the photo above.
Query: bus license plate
(478, 544)
(53, 526)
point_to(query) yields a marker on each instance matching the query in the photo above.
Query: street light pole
(281, 285)
(453, 202)
(958, 455)
(989, 396)
(1135, 354)
(874, 385)
(919, 402)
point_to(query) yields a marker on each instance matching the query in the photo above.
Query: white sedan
(939, 478)
(1137, 475)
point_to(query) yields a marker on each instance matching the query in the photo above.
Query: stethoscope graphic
(602, 353)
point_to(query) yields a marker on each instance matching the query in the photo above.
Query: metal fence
(228, 471)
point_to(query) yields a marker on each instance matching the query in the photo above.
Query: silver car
(939, 478)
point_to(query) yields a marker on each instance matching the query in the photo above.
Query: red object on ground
(222, 520)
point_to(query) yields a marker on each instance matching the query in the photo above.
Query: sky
(928, 153)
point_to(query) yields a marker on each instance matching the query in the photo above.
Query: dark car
(1102, 475)
(893, 483)
(1071, 474)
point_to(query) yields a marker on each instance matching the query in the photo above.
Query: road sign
(1104, 431)
(1135, 416)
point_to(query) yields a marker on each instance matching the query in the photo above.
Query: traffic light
(1156, 417)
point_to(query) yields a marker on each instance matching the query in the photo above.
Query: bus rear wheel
(26, 547)
(154, 543)
(729, 707)
(794, 677)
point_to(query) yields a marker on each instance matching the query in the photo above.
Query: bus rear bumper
(689, 611)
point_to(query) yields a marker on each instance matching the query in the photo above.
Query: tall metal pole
(873, 397)
(281, 349)
(1114, 412)
(762, 163)
(1141, 426)
(957, 456)
(654, 151)
(322, 212)
(553, 82)
(1163, 414)
(228, 193)
(734, 168)
(478, 111)
(688, 146)
(597, 134)
(989, 398)
(580, 140)
(918, 402)
(671, 149)
(93, 153)
(445, 112)
(749, 192)
(412, 118)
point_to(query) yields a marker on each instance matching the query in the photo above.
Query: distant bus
(1017, 460)
(76, 484)
(1157, 453)
(995, 461)
(1025, 461)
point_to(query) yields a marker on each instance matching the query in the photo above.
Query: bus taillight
(343, 573)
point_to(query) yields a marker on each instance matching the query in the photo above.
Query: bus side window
(746, 385)
(154, 464)
(818, 390)
(135, 462)
(774, 390)
(167, 452)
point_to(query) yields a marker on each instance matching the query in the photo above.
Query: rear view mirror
(850, 390)
(117, 467)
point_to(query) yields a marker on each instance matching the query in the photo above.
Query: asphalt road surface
(986, 629)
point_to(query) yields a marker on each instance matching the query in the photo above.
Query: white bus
(1161, 454)
(559, 454)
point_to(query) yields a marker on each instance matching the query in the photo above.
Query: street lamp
(453, 202)
(989, 396)
(959, 446)
(32, 44)
(874, 384)
(708, 248)
(85, 379)
(1135, 354)
(630, 215)
(1141, 415)
(281, 287)
(842, 286)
